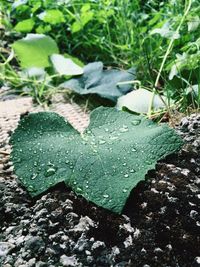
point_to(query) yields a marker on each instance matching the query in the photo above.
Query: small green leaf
(34, 50)
(86, 17)
(52, 16)
(193, 23)
(103, 164)
(76, 26)
(43, 29)
(85, 8)
(166, 31)
(25, 25)
(65, 66)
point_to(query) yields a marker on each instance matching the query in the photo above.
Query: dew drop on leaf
(101, 142)
(31, 188)
(34, 176)
(79, 190)
(126, 175)
(123, 129)
(50, 172)
(136, 122)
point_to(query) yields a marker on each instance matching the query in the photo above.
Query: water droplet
(133, 150)
(132, 170)
(50, 172)
(79, 190)
(148, 162)
(31, 188)
(123, 129)
(136, 122)
(106, 129)
(124, 164)
(34, 176)
(105, 196)
(124, 190)
(101, 142)
(126, 175)
(113, 137)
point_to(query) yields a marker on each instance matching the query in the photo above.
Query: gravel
(160, 225)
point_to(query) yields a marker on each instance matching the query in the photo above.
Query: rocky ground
(160, 226)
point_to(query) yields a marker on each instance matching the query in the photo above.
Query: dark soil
(160, 226)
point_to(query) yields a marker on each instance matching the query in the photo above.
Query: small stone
(184, 122)
(34, 244)
(31, 262)
(5, 248)
(98, 244)
(197, 261)
(68, 261)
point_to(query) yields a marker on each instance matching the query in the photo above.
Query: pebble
(69, 261)
(5, 248)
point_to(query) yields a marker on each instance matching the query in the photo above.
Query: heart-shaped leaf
(34, 50)
(103, 164)
(96, 80)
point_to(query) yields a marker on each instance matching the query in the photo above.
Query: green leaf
(166, 31)
(96, 80)
(25, 25)
(103, 164)
(43, 29)
(86, 17)
(34, 50)
(52, 16)
(85, 8)
(76, 26)
(18, 3)
(193, 23)
(139, 100)
(65, 66)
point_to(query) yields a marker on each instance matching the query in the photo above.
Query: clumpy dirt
(160, 225)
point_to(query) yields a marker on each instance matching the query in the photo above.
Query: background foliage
(121, 33)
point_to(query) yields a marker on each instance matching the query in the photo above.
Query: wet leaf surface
(103, 164)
